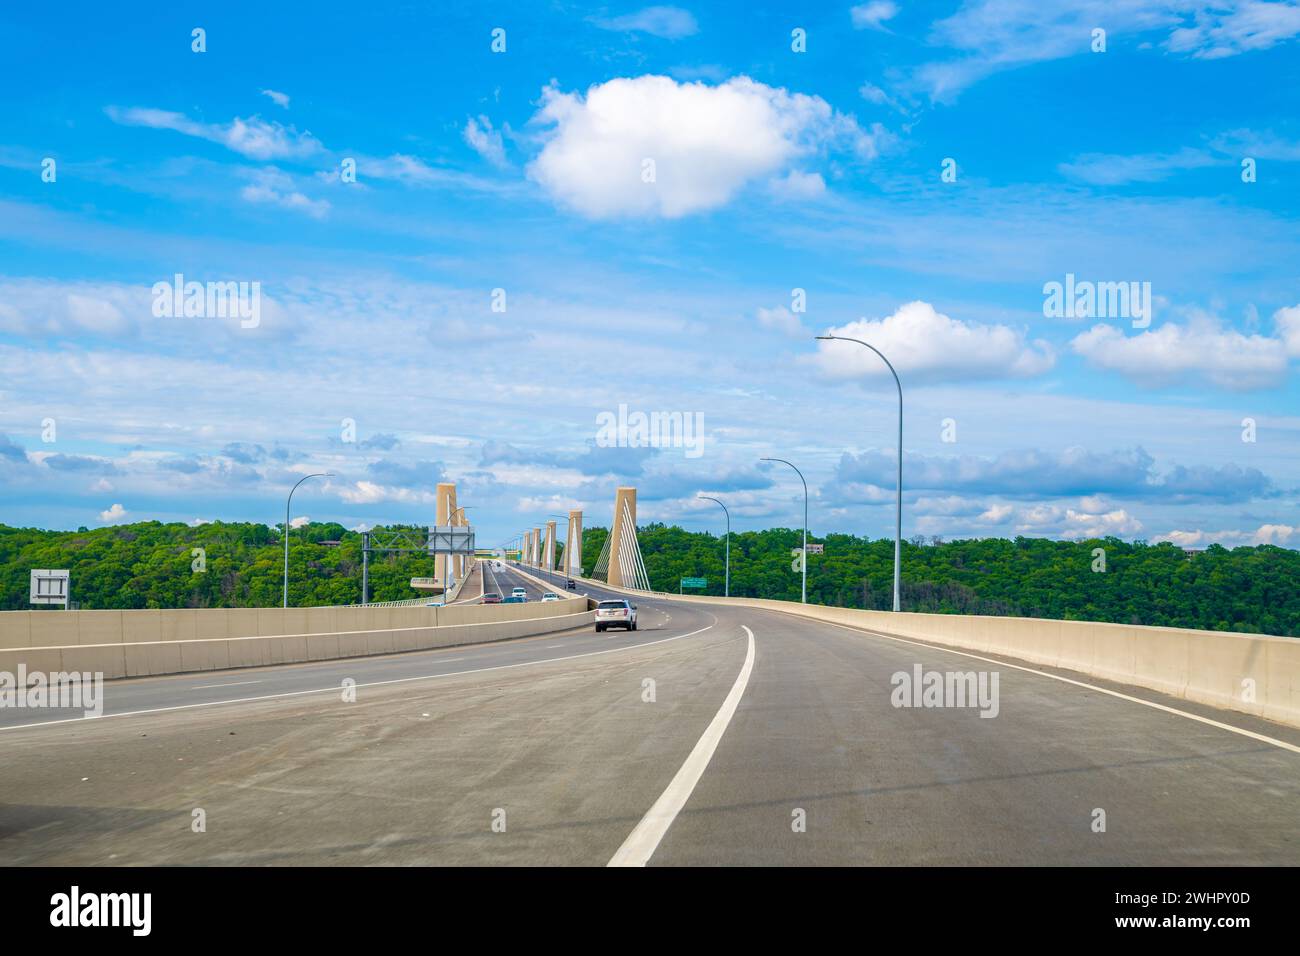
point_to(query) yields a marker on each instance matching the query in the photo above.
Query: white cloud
(1225, 29)
(995, 35)
(705, 142)
(669, 23)
(795, 185)
(1287, 323)
(277, 188)
(1102, 169)
(1075, 525)
(1200, 351)
(872, 15)
(300, 521)
(923, 344)
(780, 319)
(115, 513)
(369, 492)
(486, 141)
(1279, 534)
(280, 99)
(254, 137)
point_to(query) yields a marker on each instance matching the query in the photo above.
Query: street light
(898, 516)
(804, 561)
(727, 590)
(286, 529)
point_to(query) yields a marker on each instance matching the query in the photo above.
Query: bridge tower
(573, 546)
(548, 556)
(445, 506)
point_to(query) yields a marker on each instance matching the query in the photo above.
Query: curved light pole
(286, 529)
(727, 588)
(804, 561)
(898, 500)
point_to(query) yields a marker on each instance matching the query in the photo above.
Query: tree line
(153, 564)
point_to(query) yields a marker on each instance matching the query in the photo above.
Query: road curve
(553, 750)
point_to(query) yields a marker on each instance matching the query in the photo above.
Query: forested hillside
(150, 564)
(1245, 589)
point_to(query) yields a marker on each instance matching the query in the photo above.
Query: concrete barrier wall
(1251, 673)
(58, 628)
(172, 656)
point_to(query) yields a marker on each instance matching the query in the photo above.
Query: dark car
(514, 600)
(491, 597)
(571, 584)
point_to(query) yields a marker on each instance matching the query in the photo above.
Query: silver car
(618, 613)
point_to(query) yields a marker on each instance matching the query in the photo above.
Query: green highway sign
(694, 582)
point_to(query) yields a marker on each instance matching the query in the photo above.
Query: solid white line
(644, 840)
(1078, 683)
(231, 684)
(377, 683)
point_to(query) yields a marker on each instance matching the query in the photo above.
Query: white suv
(550, 596)
(519, 593)
(615, 614)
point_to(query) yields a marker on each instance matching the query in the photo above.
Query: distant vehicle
(491, 597)
(514, 600)
(571, 584)
(519, 593)
(435, 604)
(550, 596)
(615, 614)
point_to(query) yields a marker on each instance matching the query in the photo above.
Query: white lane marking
(1078, 683)
(644, 840)
(231, 684)
(377, 683)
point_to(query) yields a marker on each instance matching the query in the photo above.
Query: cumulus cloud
(1287, 323)
(1281, 535)
(668, 23)
(254, 137)
(278, 98)
(276, 188)
(114, 513)
(1200, 352)
(780, 319)
(872, 15)
(926, 345)
(486, 141)
(1032, 473)
(705, 143)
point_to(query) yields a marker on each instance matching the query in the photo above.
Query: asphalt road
(688, 742)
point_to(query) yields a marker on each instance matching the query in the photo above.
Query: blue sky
(774, 170)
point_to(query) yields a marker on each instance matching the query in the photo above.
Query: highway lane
(564, 753)
(209, 688)
(575, 755)
(817, 731)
